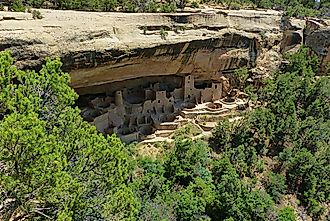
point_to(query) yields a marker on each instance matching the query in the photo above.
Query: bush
(168, 7)
(36, 14)
(300, 11)
(17, 6)
(287, 214)
(194, 4)
(151, 6)
(163, 34)
(275, 185)
(130, 7)
(58, 160)
(109, 5)
(265, 4)
(234, 6)
(241, 75)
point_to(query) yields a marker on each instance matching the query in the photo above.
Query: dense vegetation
(291, 7)
(53, 165)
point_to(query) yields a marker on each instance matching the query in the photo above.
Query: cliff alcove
(123, 65)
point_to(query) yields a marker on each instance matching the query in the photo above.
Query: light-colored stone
(100, 47)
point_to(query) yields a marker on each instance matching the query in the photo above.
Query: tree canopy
(52, 163)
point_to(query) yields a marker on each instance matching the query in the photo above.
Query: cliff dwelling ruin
(134, 83)
(136, 109)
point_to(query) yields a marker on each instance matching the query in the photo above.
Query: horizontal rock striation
(100, 48)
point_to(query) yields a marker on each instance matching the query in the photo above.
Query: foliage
(235, 199)
(300, 11)
(192, 201)
(263, 35)
(275, 185)
(168, 7)
(187, 131)
(17, 6)
(296, 8)
(177, 186)
(251, 92)
(194, 4)
(221, 135)
(292, 128)
(163, 34)
(53, 164)
(287, 214)
(187, 161)
(240, 76)
(36, 14)
(108, 5)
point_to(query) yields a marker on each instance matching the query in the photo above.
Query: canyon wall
(100, 48)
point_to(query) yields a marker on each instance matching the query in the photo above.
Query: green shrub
(263, 35)
(37, 3)
(163, 34)
(300, 11)
(168, 7)
(109, 5)
(287, 214)
(36, 14)
(234, 6)
(17, 6)
(150, 6)
(130, 7)
(315, 208)
(55, 149)
(240, 76)
(275, 185)
(194, 4)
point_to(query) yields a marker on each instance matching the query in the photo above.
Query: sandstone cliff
(99, 48)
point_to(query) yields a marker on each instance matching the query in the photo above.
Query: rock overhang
(99, 47)
(102, 42)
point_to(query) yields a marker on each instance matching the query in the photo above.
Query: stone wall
(133, 115)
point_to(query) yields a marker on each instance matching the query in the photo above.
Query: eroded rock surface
(99, 48)
(318, 38)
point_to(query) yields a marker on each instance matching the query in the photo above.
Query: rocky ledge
(100, 48)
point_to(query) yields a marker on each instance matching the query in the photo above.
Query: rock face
(318, 38)
(100, 48)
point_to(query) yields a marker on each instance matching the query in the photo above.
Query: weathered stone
(319, 41)
(99, 48)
